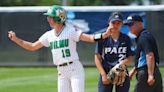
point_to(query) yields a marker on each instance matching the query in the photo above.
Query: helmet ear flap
(57, 19)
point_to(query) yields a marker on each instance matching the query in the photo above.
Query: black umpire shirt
(145, 43)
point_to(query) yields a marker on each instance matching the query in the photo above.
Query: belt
(142, 68)
(65, 64)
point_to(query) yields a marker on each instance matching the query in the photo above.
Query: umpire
(147, 59)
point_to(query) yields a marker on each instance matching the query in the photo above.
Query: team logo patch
(61, 14)
(116, 16)
(129, 18)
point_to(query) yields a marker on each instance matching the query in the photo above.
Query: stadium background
(29, 24)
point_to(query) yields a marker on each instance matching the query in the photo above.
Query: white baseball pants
(71, 78)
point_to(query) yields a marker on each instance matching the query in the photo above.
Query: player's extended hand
(150, 80)
(12, 35)
(109, 30)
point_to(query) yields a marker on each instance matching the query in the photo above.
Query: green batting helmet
(58, 13)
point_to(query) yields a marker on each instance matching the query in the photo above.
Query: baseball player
(62, 41)
(115, 49)
(147, 58)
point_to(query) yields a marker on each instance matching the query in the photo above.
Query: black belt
(142, 68)
(65, 64)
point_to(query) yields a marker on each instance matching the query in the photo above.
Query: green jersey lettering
(59, 44)
(51, 45)
(66, 42)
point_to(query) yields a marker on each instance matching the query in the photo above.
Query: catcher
(111, 57)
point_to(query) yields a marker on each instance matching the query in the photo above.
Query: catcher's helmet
(58, 13)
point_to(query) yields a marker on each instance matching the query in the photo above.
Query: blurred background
(25, 17)
(78, 2)
(24, 71)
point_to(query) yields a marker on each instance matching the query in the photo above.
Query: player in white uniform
(62, 40)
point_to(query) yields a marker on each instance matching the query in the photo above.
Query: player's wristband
(97, 37)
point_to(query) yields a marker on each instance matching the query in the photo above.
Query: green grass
(43, 80)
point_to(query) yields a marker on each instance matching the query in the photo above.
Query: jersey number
(121, 57)
(66, 53)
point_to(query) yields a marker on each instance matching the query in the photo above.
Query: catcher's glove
(117, 74)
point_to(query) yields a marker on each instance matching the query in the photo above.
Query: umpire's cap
(57, 12)
(116, 16)
(131, 18)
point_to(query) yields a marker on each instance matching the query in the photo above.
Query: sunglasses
(130, 24)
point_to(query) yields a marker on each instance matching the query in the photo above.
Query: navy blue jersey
(145, 43)
(114, 51)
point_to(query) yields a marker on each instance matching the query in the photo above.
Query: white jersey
(63, 45)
